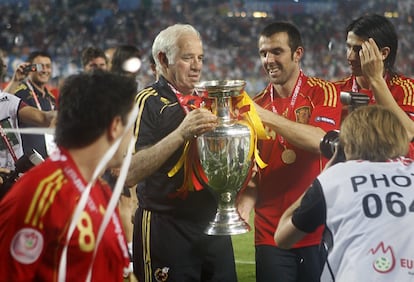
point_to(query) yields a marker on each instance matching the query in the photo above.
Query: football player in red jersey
(296, 110)
(36, 215)
(371, 53)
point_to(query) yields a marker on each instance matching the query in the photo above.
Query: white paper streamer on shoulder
(31, 130)
(112, 203)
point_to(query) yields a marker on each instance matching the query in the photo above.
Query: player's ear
(298, 54)
(116, 128)
(162, 57)
(385, 51)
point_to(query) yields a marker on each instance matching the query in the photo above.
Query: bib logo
(384, 258)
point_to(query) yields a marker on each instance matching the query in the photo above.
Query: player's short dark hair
(295, 39)
(33, 55)
(88, 103)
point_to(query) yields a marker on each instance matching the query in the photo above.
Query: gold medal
(288, 156)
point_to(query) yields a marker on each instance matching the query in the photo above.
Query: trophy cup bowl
(224, 156)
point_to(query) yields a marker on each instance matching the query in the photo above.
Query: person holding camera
(14, 111)
(296, 110)
(12, 160)
(372, 43)
(33, 91)
(365, 203)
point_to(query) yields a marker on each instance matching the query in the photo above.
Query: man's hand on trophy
(196, 123)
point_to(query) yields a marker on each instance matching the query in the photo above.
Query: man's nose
(197, 63)
(269, 57)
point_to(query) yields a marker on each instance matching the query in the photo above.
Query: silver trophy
(224, 156)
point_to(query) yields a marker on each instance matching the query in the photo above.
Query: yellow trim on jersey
(329, 89)
(21, 86)
(43, 198)
(167, 106)
(140, 101)
(407, 86)
(146, 244)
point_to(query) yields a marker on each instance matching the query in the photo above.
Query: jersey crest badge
(303, 114)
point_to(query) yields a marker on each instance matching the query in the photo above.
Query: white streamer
(85, 195)
(31, 130)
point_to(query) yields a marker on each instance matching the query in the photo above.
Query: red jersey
(34, 220)
(401, 88)
(280, 184)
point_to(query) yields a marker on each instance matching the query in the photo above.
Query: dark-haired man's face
(353, 46)
(279, 62)
(41, 77)
(96, 63)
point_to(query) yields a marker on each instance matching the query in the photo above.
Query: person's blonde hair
(373, 133)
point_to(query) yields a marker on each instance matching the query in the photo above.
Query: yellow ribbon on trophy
(251, 117)
(193, 172)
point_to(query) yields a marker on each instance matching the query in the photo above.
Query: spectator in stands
(33, 91)
(94, 58)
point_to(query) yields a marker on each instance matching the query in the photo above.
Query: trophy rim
(227, 87)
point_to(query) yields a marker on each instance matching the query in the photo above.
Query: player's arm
(305, 215)
(287, 234)
(31, 115)
(372, 67)
(303, 136)
(148, 160)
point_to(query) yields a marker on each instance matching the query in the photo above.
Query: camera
(33, 68)
(354, 99)
(23, 164)
(329, 144)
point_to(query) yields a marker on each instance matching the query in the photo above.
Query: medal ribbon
(354, 84)
(295, 94)
(33, 93)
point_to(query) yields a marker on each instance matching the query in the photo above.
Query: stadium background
(229, 30)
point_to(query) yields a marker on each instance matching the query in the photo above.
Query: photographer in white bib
(366, 203)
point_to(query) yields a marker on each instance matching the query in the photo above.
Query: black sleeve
(311, 212)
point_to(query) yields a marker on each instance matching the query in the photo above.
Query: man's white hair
(166, 42)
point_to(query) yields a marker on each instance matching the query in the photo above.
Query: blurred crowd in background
(229, 30)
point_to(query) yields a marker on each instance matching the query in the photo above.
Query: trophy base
(227, 222)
